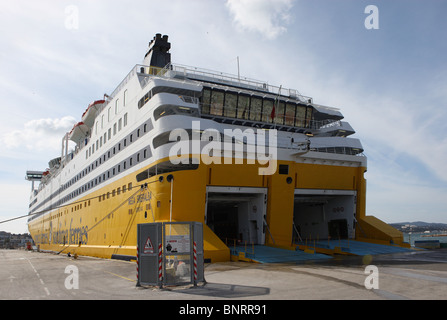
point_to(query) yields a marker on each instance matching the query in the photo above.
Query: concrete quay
(419, 275)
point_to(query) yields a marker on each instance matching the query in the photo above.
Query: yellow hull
(103, 224)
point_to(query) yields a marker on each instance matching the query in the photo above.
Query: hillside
(419, 226)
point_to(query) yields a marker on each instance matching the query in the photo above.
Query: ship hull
(103, 223)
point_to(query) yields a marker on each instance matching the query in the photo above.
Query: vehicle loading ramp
(266, 254)
(350, 247)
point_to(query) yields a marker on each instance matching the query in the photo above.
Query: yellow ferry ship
(254, 163)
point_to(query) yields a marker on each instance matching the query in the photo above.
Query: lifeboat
(79, 132)
(88, 117)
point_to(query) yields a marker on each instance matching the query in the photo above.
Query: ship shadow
(221, 290)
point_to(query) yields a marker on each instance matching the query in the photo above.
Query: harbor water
(421, 236)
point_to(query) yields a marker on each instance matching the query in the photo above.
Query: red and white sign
(148, 247)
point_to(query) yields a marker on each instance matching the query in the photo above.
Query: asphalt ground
(420, 275)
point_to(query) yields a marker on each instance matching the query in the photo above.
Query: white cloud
(264, 16)
(39, 135)
(399, 127)
(14, 198)
(396, 195)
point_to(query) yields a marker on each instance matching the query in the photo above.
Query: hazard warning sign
(148, 247)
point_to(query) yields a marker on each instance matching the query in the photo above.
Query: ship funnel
(158, 54)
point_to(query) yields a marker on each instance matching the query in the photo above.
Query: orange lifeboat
(88, 117)
(79, 132)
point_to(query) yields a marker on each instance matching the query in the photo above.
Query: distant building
(14, 241)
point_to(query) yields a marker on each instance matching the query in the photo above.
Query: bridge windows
(242, 106)
(230, 105)
(267, 111)
(279, 113)
(217, 100)
(255, 109)
(290, 114)
(206, 101)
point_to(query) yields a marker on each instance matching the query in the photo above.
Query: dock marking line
(38, 277)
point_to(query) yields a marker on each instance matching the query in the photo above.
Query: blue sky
(390, 83)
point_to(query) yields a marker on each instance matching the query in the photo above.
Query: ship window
(300, 116)
(290, 114)
(267, 111)
(125, 119)
(217, 99)
(109, 133)
(167, 110)
(230, 105)
(161, 139)
(283, 169)
(114, 128)
(144, 100)
(309, 116)
(255, 109)
(243, 106)
(143, 176)
(120, 124)
(125, 98)
(166, 167)
(279, 117)
(109, 114)
(206, 101)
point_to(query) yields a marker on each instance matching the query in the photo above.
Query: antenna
(238, 70)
